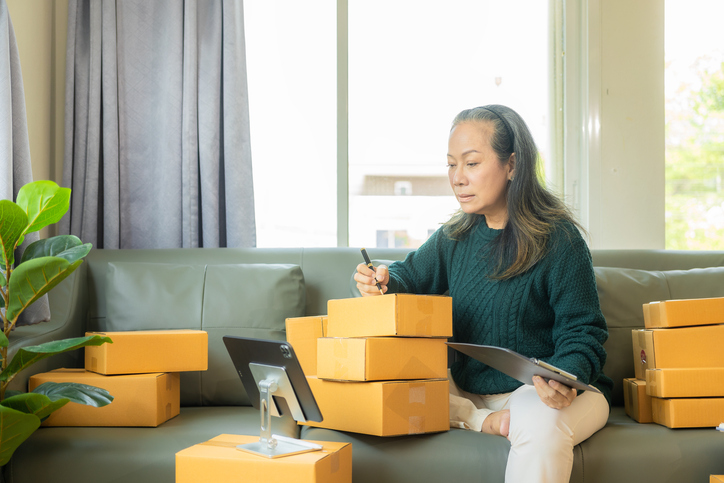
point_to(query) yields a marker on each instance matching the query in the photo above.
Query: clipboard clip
(555, 369)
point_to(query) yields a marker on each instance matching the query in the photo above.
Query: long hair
(532, 209)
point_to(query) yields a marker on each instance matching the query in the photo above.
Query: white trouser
(541, 438)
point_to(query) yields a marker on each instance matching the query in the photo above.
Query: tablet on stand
(275, 383)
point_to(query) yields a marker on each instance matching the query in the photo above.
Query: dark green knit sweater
(550, 312)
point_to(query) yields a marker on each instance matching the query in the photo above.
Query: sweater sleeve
(424, 271)
(579, 329)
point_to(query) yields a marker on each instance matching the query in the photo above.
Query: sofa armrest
(68, 308)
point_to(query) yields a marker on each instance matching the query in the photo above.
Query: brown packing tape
(425, 306)
(416, 424)
(334, 462)
(340, 349)
(424, 326)
(629, 392)
(415, 399)
(417, 394)
(341, 370)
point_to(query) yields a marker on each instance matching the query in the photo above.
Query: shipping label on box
(218, 460)
(681, 347)
(149, 351)
(637, 403)
(383, 358)
(389, 408)
(404, 315)
(684, 312)
(686, 382)
(688, 412)
(138, 399)
(302, 335)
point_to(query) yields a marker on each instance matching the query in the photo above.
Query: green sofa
(251, 291)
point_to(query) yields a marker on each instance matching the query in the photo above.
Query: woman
(520, 276)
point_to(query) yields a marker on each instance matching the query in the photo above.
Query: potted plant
(43, 265)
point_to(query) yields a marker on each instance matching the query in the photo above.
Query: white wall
(623, 197)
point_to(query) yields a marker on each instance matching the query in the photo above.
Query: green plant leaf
(13, 222)
(33, 279)
(68, 247)
(34, 403)
(74, 392)
(15, 427)
(27, 356)
(3, 339)
(44, 202)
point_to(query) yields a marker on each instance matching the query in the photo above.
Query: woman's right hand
(366, 279)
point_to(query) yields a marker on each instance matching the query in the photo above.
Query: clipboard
(519, 366)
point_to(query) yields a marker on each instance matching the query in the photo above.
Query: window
(410, 66)
(291, 64)
(694, 83)
(411, 70)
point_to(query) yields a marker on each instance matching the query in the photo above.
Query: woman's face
(476, 175)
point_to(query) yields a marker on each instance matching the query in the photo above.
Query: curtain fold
(157, 124)
(15, 167)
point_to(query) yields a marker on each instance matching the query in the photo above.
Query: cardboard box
(379, 359)
(636, 401)
(389, 408)
(404, 315)
(691, 382)
(716, 478)
(218, 460)
(684, 313)
(149, 351)
(682, 347)
(302, 335)
(139, 399)
(688, 413)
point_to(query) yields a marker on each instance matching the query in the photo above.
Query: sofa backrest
(626, 279)
(224, 291)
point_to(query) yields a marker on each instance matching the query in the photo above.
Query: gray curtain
(15, 167)
(157, 124)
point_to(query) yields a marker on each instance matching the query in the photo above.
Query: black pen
(369, 264)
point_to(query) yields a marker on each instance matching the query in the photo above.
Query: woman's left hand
(553, 393)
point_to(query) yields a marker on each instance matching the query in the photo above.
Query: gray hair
(532, 209)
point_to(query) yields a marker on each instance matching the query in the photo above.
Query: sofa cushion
(153, 296)
(622, 293)
(248, 300)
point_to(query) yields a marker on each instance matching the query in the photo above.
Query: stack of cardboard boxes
(679, 363)
(378, 365)
(139, 369)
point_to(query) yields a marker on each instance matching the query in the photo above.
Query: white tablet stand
(273, 381)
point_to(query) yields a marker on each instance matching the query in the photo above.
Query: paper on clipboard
(519, 366)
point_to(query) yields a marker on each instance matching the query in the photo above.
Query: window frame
(561, 109)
